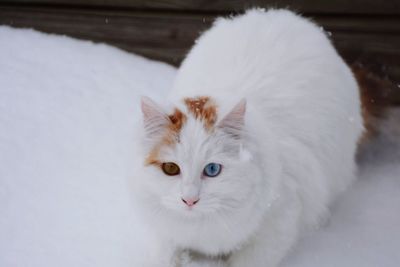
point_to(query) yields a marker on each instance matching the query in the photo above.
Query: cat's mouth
(190, 209)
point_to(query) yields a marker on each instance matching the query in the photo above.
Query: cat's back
(251, 51)
(280, 62)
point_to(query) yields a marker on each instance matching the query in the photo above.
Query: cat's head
(196, 162)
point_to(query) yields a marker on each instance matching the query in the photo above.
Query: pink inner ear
(235, 118)
(150, 109)
(153, 117)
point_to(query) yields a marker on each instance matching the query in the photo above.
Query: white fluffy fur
(294, 155)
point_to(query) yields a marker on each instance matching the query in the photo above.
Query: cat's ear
(233, 122)
(154, 118)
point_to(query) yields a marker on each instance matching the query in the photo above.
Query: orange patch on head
(169, 138)
(204, 109)
(177, 120)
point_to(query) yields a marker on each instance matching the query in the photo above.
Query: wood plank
(360, 24)
(168, 36)
(304, 6)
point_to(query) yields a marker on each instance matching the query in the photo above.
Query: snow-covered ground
(67, 109)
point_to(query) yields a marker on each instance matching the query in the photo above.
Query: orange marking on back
(170, 137)
(204, 109)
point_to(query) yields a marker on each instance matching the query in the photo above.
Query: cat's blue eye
(212, 169)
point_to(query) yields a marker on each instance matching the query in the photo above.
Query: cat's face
(197, 165)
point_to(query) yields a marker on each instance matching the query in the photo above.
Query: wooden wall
(364, 31)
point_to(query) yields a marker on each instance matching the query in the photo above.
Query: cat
(256, 139)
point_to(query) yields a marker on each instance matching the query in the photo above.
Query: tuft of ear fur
(154, 118)
(233, 122)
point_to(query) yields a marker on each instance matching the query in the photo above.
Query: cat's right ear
(234, 121)
(154, 118)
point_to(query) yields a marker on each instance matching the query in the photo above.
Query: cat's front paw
(205, 263)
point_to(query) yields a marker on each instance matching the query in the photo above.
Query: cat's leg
(206, 263)
(193, 259)
(272, 242)
(161, 254)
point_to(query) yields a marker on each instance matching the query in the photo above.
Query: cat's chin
(189, 215)
(212, 233)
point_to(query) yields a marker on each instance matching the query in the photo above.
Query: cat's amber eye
(170, 168)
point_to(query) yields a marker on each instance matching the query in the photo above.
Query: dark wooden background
(365, 32)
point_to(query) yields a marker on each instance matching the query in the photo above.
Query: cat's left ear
(154, 118)
(233, 122)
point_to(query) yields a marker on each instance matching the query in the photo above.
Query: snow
(67, 109)
(363, 230)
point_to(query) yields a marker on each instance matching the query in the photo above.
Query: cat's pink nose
(190, 201)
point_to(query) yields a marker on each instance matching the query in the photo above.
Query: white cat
(258, 137)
